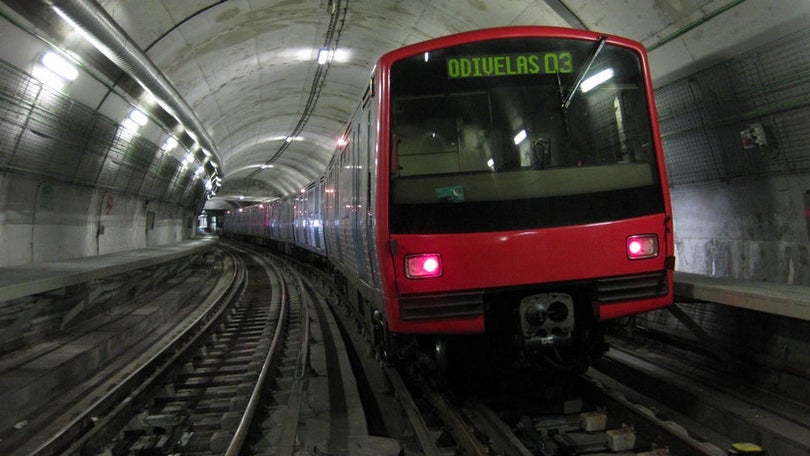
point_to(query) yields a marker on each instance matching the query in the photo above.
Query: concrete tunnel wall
(751, 228)
(42, 221)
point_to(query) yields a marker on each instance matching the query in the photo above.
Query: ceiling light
(49, 78)
(137, 116)
(59, 65)
(169, 144)
(520, 137)
(130, 125)
(323, 56)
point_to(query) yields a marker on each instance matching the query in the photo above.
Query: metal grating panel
(702, 116)
(45, 133)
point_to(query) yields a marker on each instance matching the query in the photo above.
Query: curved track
(196, 389)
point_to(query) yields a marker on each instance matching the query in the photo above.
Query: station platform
(44, 364)
(27, 280)
(773, 298)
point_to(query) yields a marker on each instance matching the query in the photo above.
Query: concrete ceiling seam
(112, 41)
(337, 11)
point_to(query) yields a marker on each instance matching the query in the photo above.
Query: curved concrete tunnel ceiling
(248, 68)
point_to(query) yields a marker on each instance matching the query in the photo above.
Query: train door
(345, 205)
(370, 147)
(330, 212)
(316, 214)
(358, 205)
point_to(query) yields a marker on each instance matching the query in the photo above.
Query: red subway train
(504, 185)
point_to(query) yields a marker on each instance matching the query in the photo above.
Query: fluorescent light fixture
(427, 57)
(169, 144)
(323, 56)
(130, 125)
(137, 116)
(596, 79)
(59, 65)
(520, 137)
(49, 78)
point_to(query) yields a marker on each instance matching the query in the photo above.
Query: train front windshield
(520, 133)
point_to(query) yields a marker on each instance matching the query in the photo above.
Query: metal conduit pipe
(112, 41)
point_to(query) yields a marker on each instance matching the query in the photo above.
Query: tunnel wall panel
(74, 183)
(705, 118)
(738, 203)
(47, 134)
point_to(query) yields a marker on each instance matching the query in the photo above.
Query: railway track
(197, 394)
(581, 417)
(205, 399)
(243, 377)
(524, 414)
(76, 398)
(257, 356)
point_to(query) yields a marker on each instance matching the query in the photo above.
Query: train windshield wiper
(584, 68)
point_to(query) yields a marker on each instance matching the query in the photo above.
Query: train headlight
(642, 246)
(423, 266)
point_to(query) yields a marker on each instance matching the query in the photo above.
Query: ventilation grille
(441, 306)
(631, 287)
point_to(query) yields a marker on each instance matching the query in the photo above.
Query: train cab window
(502, 126)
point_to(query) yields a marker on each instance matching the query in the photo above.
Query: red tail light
(423, 266)
(642, 246)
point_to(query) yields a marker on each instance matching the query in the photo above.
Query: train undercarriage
(547, 332)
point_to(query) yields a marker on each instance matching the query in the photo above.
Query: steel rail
(87, 426)
(498, 431)
(420, 428)
(289, 430)
(238, 441)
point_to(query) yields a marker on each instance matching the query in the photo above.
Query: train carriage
(506, 184)
(519, 188)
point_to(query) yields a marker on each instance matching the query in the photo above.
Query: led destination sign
(509, 65)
